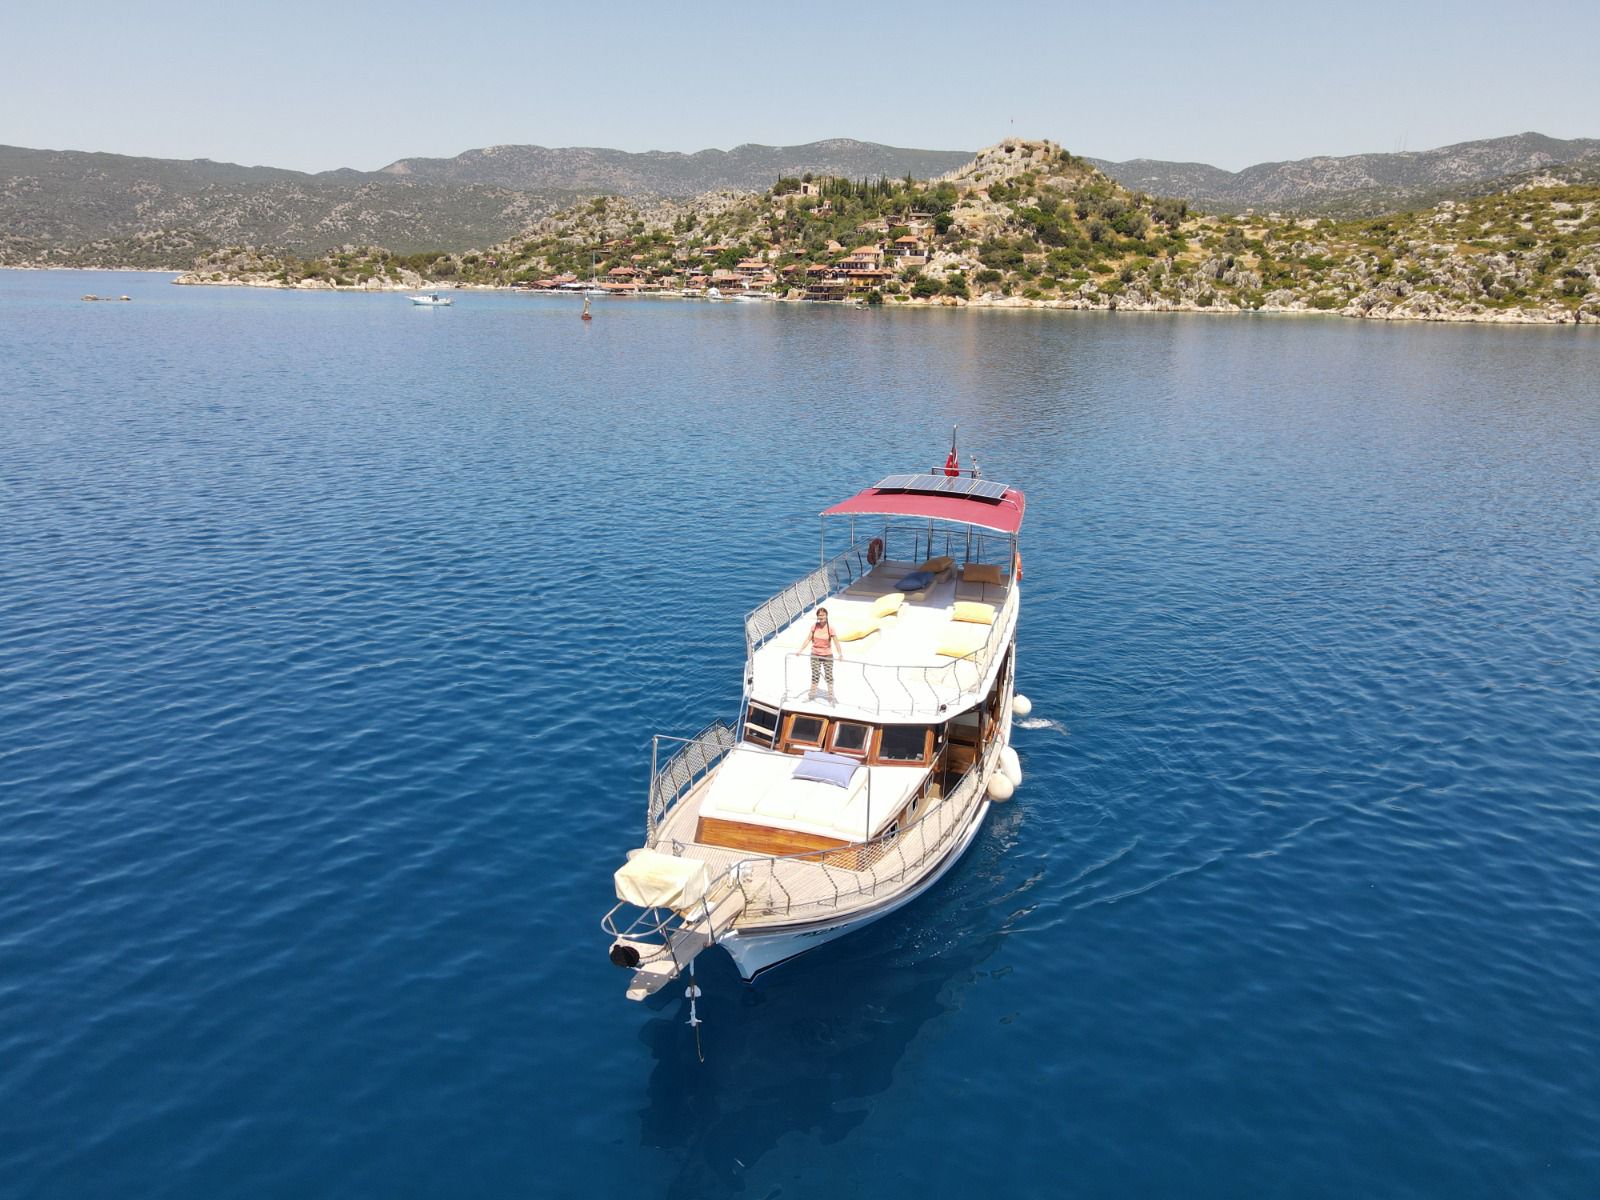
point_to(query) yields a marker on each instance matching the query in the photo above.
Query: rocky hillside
(748, 168)
(1029, 224)
(64, 208)
(1357, 184)
(72, 209)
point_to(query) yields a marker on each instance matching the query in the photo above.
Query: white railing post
(650, 811)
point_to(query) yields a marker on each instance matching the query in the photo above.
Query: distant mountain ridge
(1350, 183)
(75, 208)
(746, 168)
(72, 208)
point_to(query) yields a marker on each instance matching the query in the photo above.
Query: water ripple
(331, 642)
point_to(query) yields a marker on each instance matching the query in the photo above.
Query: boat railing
(863, 869)
(692, 761)
(859, 870)
(838, 573)
(887, 690)
(896, 543)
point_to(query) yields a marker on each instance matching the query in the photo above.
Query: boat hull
(756, 950)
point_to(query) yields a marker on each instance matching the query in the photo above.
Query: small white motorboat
(433, 300)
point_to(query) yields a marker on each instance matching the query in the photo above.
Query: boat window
(761, 725)
(963, 729)
(806, 731)
(904, 743)
(851, 738)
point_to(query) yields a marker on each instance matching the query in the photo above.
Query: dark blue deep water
(332, 633)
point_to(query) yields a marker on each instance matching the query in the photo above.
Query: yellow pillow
(981, 573)
(853, 632)
(961, 640)
(977, 614)
(888, 606)
(935, 565)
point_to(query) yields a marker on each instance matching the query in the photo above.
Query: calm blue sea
(333, 632)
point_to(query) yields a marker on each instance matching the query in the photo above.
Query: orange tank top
(821, 635)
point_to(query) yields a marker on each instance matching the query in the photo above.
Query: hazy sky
(359, 84)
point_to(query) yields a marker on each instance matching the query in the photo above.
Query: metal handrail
(946, 816)
(692, 761)
(904, 850)
(970, 545)
(764, 621)
(927, 689)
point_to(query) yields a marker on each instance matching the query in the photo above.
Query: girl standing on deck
(824, 647)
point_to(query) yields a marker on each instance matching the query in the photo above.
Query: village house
(862, 258)
(826, 287)
(870, 278)
(908, 251)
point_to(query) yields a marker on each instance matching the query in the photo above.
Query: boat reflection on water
(807, 1057)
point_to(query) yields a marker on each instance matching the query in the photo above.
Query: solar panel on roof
(945, 485)
(900, 483)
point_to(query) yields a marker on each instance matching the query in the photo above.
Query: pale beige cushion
(977, 614)
(888, 606)
(981, 573)
(960, 640)
(935, 566)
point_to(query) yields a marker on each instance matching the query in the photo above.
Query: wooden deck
(780, 891)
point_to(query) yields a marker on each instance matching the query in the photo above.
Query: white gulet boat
(814, 815)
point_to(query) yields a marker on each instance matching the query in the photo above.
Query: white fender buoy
(1020, 705)
(1000, 788)
(1011, 766)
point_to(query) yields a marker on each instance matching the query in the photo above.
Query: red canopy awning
(1004, 515)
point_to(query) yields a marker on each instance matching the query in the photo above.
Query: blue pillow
(915, 582)
(821, 767)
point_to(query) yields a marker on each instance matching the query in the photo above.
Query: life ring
(875, 551)
(1017, 563)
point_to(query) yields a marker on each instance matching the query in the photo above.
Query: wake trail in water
(1044, 723)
